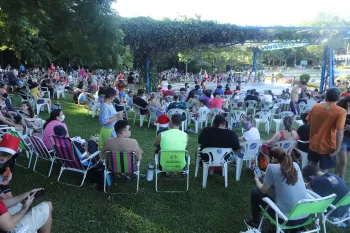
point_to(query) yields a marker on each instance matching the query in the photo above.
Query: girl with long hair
(191, 100)
(27, 110)
(286, 177)
(285, 134)
(154, 102)
(342, 158)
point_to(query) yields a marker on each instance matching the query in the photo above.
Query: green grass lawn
(214, 209)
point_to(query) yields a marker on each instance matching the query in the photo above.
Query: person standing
(108, 117)
(345, 146)
(327, 122)
(131, 82)
(294, 98)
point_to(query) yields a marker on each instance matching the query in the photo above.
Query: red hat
(9, 144)
(163, 120)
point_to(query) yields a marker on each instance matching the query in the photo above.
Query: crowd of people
(325, 127)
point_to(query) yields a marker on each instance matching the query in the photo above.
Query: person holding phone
(14, 211)
(286, 178)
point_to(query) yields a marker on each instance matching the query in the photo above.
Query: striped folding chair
(67, 153)
(42, 152)
(121, 162)
(24, 145)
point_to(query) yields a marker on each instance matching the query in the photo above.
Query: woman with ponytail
(286, 134)
(286, 178)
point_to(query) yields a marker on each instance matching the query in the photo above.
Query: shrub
(305, 77)
(343, 67)
(313, 85)
(278, 75)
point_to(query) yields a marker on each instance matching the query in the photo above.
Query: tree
(65, 31)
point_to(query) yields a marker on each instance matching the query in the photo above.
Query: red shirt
(228, 92)
(3, 209)
(215, 103)
(169, 92)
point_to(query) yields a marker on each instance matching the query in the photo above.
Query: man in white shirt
(251, 133)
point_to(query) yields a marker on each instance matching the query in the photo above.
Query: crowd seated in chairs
(219, 146)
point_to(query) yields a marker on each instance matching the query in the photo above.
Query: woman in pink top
(216, 102)
(56, 118)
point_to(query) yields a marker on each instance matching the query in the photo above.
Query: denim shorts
(122, 94)
(345, 145)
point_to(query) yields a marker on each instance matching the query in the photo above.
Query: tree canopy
(85, 32)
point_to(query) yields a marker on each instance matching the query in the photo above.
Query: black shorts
(326, 161)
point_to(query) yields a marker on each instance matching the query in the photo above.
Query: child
(121, 89)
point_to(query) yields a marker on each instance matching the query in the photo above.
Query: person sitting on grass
(14, 211)
(285, 175)
(172, 139)
(325, 184)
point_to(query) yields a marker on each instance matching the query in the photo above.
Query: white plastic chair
(217, 157)
(302, 107)
(152, 114)
(137, 110)
(304, 159)
(39, 106)
(264, 118)
(282, 115)
(179, 111)
(287, 145)
(214, 112)
(202, 117)
(93, 105)
(59, 91)
(169, 98)
(251, 152)
(251, 105)
(267, 105)
(158, 127)
(299, 122)
(235, 117)
(45, 91)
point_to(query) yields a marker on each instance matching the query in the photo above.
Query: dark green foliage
(305, 77)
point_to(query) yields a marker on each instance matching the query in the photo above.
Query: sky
(239, 12)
